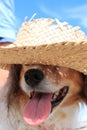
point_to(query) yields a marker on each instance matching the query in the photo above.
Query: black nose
(33, 77)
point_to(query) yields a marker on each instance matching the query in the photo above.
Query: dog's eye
(57, 68)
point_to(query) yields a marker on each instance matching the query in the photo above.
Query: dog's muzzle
(40, 103)
(33, 77)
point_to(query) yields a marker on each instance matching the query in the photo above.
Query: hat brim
(67, 53)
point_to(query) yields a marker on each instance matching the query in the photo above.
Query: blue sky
(72, 11)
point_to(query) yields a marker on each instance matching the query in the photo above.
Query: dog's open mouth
(59, 96)
(40, 105)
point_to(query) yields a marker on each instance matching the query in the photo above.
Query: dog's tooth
(29, 95)
(55, 96)
(56, 93)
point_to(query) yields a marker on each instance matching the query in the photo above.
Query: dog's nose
(33, 77)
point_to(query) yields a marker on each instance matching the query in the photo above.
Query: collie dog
(43, 97)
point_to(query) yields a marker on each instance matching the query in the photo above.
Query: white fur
(71, 117)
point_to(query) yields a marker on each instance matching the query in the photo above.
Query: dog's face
(48, 87)
(50, 79)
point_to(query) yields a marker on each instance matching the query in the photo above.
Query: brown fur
(18, 97)
(15, 96)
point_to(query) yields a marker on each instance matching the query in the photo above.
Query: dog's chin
(40, 105)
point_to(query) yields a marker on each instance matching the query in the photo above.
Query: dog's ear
(85, 85)
(14, 75)
(15, 70)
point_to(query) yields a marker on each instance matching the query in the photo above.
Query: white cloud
(49, 12)
(79, 9)
(79, 13)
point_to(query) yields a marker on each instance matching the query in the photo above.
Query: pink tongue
(37, 109)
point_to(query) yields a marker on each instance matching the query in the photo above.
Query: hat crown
(49, 42)
(47, 31)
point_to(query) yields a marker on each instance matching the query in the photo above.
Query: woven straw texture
(48, 41)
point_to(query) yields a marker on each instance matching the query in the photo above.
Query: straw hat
(47, 41)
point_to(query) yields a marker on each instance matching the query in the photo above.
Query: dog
(43, 97)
